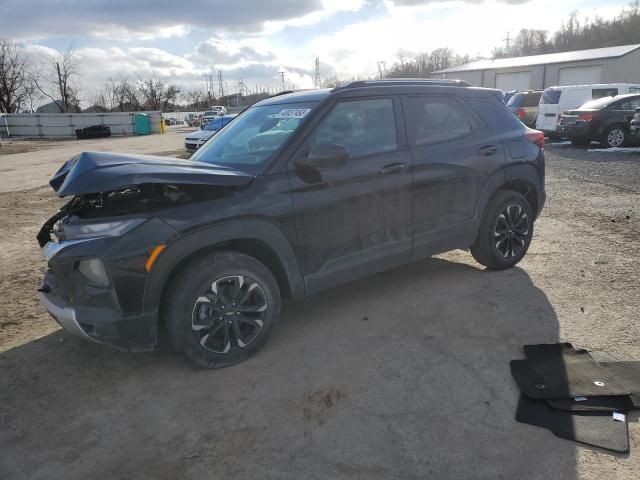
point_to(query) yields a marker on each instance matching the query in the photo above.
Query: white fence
(52, 125)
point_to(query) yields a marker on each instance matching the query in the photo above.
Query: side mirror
(325, 155)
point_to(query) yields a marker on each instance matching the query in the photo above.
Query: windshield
(251, 139)
(551, 97)
(597, 104)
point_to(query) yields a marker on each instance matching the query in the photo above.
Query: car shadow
(404, 374)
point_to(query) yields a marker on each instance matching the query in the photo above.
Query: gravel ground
(351, 385)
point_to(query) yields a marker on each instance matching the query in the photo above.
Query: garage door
(513, 81)
(580, 75)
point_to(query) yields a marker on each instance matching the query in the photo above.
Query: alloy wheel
(615, 137)
(511, 231)
(230, 314)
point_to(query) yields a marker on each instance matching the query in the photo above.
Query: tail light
(521, 114)
(585, 117)
(535, 136)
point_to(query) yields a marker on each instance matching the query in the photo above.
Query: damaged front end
(99, 245)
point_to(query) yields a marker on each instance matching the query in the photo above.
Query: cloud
(150, 18)
(217, 52)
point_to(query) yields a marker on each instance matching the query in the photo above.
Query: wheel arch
(258, 238)
(523, 178)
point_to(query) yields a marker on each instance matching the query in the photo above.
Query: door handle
(393, 168)
(487, 151)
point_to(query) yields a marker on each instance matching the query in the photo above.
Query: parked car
(605, 120)
(556, 100)
(195, 140)
(634, 127)
(525, 106)
(300, 193)
(216, 111)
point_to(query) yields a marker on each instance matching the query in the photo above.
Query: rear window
(551, 97)
(516, 101)
(597, 104)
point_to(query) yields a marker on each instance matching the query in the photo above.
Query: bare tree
(15, 82)
(59, 80)
(157, 93)
(194, 97)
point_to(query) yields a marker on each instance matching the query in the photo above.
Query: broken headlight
(80, 231)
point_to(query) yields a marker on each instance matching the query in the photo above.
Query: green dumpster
(142, 124)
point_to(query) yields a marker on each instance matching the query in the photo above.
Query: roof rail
(403, 81)
(284, 92)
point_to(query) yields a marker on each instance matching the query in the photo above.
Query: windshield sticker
(291, 113)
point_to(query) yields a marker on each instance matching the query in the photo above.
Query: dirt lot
(401, 375)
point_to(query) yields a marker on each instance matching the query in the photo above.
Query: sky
(254, 40)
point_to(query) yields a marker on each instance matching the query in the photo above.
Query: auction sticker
(291, 113)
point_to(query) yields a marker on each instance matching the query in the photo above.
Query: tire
(580, 142)
(614, 136)
(508, 213)
(205, 323)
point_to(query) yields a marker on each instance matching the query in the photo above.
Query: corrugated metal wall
(64, 124)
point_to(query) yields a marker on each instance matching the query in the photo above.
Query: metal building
(599, 65)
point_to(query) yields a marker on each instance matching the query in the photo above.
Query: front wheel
(221, 308)
(505, 231)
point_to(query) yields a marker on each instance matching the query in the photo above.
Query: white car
(556, 100)
(195, 140)
(215, 112)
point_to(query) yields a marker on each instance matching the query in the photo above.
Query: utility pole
(382, 69)
(282, 75)
(208, 78)
(508, 41)
(316, 80)
(220, 85)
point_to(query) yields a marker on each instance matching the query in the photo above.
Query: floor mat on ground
(614, 403)
(591, 428)
(559, 371)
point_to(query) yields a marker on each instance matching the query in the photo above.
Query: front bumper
(113, 313)
(128, 334)
(192, 146)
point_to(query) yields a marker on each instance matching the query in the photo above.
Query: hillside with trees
(574, 34)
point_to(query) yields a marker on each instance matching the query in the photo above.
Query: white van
(556, 100)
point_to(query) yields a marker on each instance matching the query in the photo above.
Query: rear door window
(603, 92)
(551, 97)
(435, 119)
(634, 89)
(531, 99)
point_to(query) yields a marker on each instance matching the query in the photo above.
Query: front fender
(185, 245)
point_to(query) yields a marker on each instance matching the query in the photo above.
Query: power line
(282, 75)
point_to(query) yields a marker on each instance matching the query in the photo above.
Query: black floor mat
(559, 371)
(628, 374)
(590, 428)
(614, 403)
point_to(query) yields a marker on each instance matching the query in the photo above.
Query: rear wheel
(220, 309)
(505, 232)
(614, 136)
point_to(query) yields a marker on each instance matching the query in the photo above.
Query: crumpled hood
(94, 172)
(201, 134)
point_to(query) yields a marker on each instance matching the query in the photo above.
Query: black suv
(301, 192)
(605, 120)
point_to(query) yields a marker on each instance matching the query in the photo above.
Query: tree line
(573, 34)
